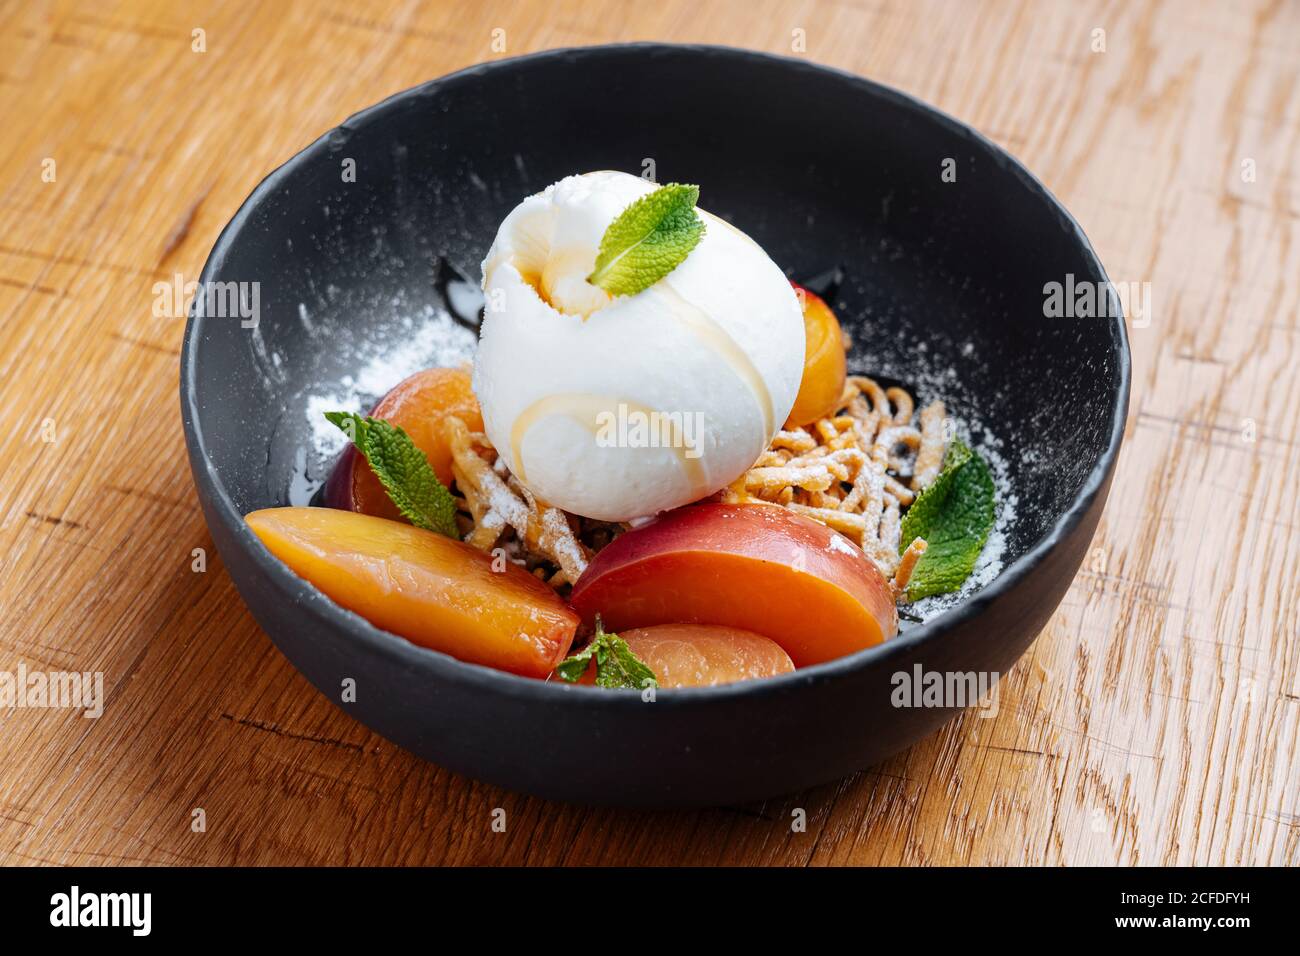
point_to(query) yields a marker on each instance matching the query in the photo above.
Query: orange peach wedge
(418, 405)
(760, 568)
(702, 655)
(428, 588)
(824, 363)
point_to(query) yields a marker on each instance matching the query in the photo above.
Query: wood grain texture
(1154, 721)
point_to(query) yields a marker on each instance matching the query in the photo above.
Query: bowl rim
(293, 589)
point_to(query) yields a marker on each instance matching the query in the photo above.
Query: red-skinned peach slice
(760, 568)
(419, 405)
(702, 655)
(824, 364)
(428, 588)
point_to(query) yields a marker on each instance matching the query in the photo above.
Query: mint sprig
(648, 240)
(954, 515)
(616, 664)
(403, 470)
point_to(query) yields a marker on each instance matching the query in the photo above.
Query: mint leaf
(954, 516)
(616, 665)
(575, 665)
(648, 240)
(403, 470)
(622, 668)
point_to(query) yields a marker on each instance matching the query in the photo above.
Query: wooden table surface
(1154, 721)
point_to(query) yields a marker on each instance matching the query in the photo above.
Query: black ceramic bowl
(943, 290)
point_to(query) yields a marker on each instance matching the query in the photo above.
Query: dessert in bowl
(611, 310)
(764, 549)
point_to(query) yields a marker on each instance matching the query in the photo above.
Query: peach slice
(702, 655)
(824, 364)
(418, 404)
(760, 568)
(430, 589)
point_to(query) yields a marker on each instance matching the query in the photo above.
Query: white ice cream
(618, 408)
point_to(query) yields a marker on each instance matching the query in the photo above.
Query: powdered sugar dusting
(431, 338)
(844, 546)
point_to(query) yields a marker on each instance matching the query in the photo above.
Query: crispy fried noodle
(853, 471)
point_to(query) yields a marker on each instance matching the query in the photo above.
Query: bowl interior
(345, 253)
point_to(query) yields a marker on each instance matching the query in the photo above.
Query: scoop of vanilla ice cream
(621, 407)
